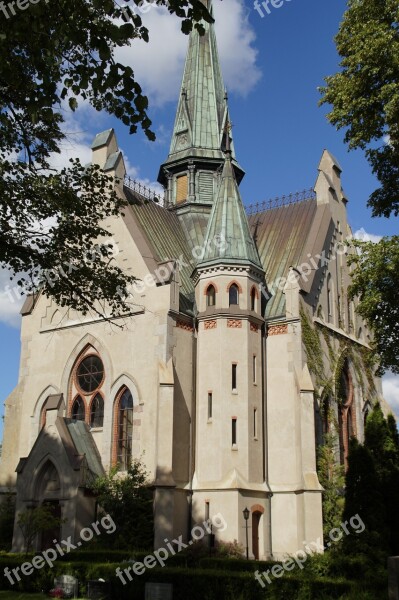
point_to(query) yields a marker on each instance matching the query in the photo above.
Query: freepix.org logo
(267, 5)
(9, 9)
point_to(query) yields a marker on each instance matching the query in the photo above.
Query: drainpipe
(265, 433)
(192, 428)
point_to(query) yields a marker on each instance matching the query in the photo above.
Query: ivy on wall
(339, 349)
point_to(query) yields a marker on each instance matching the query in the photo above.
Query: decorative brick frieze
(185, 326)
(254, 327)
(210, 324)
(278, 329)
(234, 323)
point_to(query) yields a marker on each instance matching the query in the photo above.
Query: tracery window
(125, 429)
(86, 396)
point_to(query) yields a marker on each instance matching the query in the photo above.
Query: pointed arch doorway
(257, 511)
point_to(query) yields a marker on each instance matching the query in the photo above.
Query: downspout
(192, 429)
(265, 433)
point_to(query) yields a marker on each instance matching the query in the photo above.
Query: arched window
(78, 409)
(253, 299)
(90, 374)
(233, 294)
(97, 411)
(125, 429)
(86, 397)
(211, 296)
(347, 416)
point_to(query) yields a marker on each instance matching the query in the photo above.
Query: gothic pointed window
(211, 296)
(125, 430)
(347, 414)
(97, 411)
(86, 396)
(78, 409)
(233, 294)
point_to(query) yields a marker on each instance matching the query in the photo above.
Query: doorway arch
(257, 511)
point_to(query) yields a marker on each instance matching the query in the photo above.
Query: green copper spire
(199, 132)
(228, 238)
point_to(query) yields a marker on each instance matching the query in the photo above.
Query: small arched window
(233, 295)
(78, 409)
(97, 411)
(253, 299)
(125, 429)
(211, 296)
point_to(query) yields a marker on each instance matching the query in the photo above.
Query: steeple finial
(202, 112)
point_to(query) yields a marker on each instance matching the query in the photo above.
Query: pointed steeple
(199, 134)
(228, 239)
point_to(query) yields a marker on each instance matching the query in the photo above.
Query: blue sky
(273, 67)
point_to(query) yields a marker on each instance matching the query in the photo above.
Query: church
(240, 351)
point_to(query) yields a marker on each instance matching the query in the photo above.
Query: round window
(90, 374)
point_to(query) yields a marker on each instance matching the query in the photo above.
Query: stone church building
(240, 351)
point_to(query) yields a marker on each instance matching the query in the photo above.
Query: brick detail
(185, 326)
(210, 324)
(234, 323)
(278, 329)
(254, 327)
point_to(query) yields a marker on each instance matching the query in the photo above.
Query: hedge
(195, 584)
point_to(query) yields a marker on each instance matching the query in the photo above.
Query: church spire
(228, 226)
(199, 134)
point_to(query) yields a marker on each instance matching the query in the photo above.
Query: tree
(375, 283)
(382, 442)
(53, 55)
(365, 95)
(363, 498)
(7, 515)
(372, 487)
(35, 521)
(129, 501)
(365, 101)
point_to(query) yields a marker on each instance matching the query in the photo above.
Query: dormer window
(211, 296)
(233, 295)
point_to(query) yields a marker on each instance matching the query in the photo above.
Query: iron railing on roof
(257, 207)
(144, 191)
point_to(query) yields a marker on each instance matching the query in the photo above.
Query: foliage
(372, 487)
(53, 57)
(34, 521)
(365, 101)
(381, 439)
(331, 477)
(7, 516)
(129, 501)
(375, 282)
(230, 549)
(363, 497)
(364, 95)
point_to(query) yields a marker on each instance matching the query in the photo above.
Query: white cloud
(10, 303)
(364, 236)
(159, 64)
(390, 386)
(78, 128)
